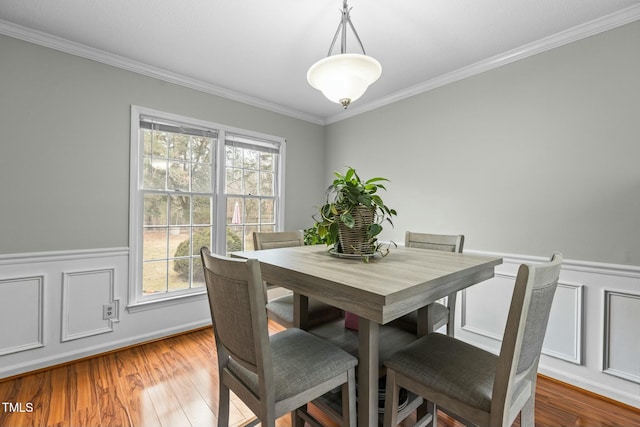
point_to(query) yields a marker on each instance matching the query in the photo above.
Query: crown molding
(596, 26)
(83, 51)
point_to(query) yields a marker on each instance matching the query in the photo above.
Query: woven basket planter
(354, 240)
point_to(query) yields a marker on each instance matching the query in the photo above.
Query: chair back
(524, 334)
(236, 300)
(438, 242)
(278, 239)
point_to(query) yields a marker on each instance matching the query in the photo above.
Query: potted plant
(353, 215)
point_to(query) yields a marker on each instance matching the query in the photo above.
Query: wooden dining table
(378, 292)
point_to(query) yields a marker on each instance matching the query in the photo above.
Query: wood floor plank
(136, 384)
(192, 402)
(28, 392)
(174, 382)
(59, 407)
(8, 393)
(165, 402)
(111, 399)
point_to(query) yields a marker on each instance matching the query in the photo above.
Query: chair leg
(527, 413)
(296, 419)
(427, 414)
(223, 405)
(349, 413)
(391, 400)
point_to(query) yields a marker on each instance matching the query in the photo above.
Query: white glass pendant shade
(345, 77)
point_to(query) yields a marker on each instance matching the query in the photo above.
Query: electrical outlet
(109, 311)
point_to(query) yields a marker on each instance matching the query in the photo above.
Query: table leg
(300, 311)
(425, 320)
(368, 335)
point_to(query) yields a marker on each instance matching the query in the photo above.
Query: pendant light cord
(342, 27)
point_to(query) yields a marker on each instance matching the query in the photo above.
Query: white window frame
(137, 301)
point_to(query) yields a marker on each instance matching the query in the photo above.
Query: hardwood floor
(173, 382)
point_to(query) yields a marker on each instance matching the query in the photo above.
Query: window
(250, 188)
(188, 190)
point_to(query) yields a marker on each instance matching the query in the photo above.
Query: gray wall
(536, 156)
(64, 147)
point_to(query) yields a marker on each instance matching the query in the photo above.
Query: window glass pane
(234, 181)
(248, 237)
(159, 143)
(235, 210)
(155, 209)
(179, 147)
(155, 143)
(266, 183)
(180, 210)
(154, 173)
(197, 278)
(200, 178)
(178, 176)
(267, 211)
(154, 243)
(233, 157)
(179, 274)
(201, 237)
(267, 228)
(145, 138)
(250, 159)
(179, 241)
(250, 182)
(154, 277)
(234, 238)
(201, 149)
(252, 211)
(202, 210)
(266, 162)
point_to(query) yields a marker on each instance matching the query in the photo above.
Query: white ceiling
(258, 51)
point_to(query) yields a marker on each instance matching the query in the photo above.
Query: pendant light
(345, 77)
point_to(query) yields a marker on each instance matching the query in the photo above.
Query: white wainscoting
(593, 337)
(21, 315)
(564, 333)
(622, 332)
(51, 309)
(84, 293)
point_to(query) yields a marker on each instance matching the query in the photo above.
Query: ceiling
(258, 51)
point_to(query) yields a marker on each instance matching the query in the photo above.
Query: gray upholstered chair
(471, 384)
(272, 375)
(281, 309)
(442, 314)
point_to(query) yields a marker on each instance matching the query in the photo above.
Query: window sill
(166, 302)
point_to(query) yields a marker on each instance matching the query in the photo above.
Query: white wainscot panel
(21, 314)
(84, 295)
(485, 308)
(622, 335)
(565, 330)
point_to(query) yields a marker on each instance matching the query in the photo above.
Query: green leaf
(347, 219)
(376, 179)
(374, 230)
(349, 175)
(377, 200)
(364, 199)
